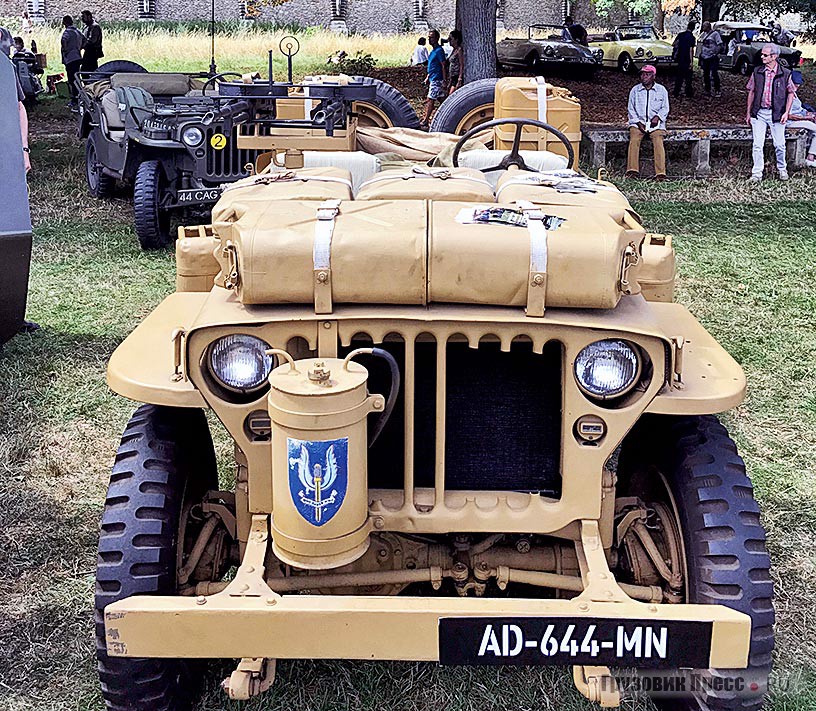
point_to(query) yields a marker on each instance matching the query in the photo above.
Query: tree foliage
(639, 7)
(254, 8)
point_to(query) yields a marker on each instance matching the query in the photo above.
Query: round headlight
(192, 136)
(240, 363)
(639, 51)
(648, 52)
(608, 368)
(549, 51)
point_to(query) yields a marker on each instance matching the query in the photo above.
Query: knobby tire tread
(725, 541)
(160, 447)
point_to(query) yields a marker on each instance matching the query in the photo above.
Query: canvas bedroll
(421, 251)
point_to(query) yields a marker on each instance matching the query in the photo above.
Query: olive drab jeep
(179, 138)
(471, 426)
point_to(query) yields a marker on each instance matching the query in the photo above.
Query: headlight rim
(190, 144)
(272, 363)
(622, 392)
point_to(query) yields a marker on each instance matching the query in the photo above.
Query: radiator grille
(229, 162)
(502, 415)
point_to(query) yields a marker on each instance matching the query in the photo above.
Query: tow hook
(253, 676)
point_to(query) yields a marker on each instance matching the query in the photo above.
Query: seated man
(648, 110)
(803, 117)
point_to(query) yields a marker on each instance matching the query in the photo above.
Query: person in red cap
(648, 110)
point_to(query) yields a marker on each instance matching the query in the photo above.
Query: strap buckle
(328, 210)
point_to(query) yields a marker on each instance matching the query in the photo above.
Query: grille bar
(441, 413)
(409, 389)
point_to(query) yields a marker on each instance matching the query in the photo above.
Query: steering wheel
(215, 78)
(514, 157)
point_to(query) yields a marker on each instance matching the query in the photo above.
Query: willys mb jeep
(179, 138)
(470, 425)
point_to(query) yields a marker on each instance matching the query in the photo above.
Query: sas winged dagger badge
(318, 477)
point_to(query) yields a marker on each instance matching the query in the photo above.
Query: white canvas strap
(327, 213)
(541, 95)
(288, 177)
(537, 281)
(438, 174)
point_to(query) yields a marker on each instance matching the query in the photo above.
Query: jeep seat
(116, 109)
(113, 123)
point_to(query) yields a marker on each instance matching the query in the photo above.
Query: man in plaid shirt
(770, 95)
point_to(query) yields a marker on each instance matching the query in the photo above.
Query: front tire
(626, 64)
(152, 223)
(726, 559)
(165, 461)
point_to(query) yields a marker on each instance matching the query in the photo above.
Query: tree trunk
(459, 11)
(477, 21)
(711, 10)
(659, 19)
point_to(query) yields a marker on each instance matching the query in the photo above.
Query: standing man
(648, 111)
(711, 47)
(93, 43)
(5, 49)
(576, 31)
(72, 42)
(684, 56)
(770, 95)
(437, 77)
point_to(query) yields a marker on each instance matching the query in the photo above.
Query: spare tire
(466, 108)
(390, 108)
(115, 67)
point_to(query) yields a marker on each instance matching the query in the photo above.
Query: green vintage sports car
(628, 47)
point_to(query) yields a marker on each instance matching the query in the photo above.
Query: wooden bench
(596, 138)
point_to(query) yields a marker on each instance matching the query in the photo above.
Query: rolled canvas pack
(422, 183)
(416, 252)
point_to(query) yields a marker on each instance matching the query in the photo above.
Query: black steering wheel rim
(215, 78)
(514, 157)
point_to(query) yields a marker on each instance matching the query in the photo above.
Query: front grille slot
(229, 162)
(500, 414)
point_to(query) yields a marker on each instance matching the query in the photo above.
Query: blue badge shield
(318, 477)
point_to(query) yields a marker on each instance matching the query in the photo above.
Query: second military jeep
(470, 426)
(177, 138)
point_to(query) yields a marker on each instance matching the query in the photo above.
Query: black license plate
(560, 641)
(195, 196)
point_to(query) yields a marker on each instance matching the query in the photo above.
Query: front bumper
(248, 620)
(357, 627)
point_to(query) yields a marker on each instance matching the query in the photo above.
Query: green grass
(746, 259)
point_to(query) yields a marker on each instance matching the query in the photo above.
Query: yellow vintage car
(628, 47)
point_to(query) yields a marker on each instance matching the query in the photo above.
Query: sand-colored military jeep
(470, 426)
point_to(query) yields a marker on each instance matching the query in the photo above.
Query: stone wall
(361, 15)
(379, 16)
(193, 9)
(521, 13)
(298, 12)
(440, 13)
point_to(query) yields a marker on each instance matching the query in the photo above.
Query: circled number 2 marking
(218, 141)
